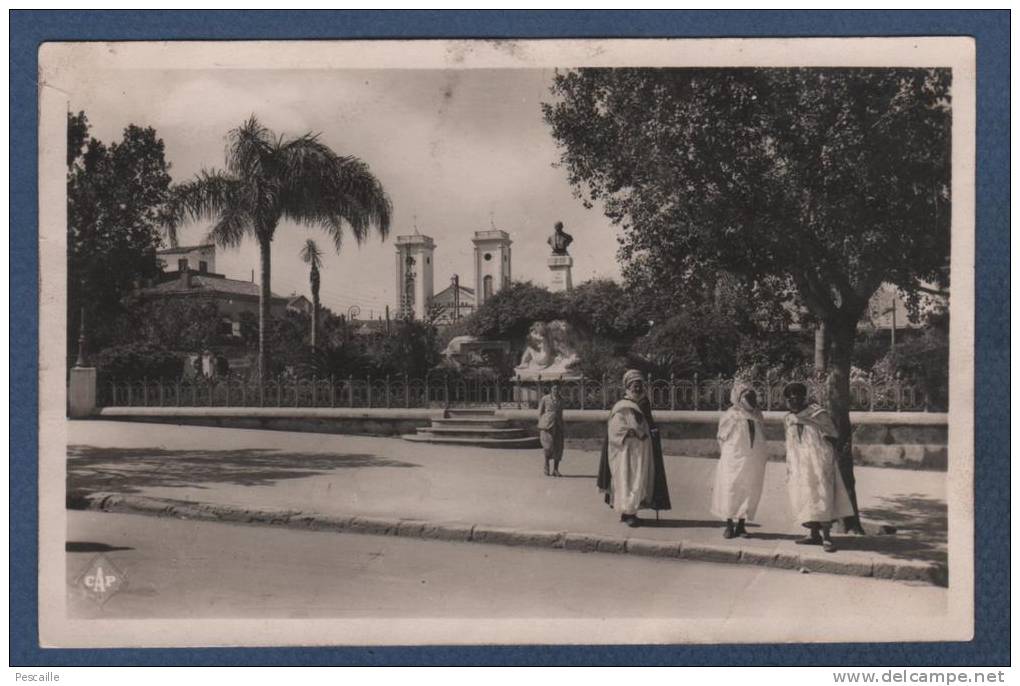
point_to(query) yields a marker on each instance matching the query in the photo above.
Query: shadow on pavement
(128, 470)
(92, 547)
(921, 528)
(664, 523)
(755, 536)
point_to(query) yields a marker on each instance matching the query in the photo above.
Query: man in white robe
(740, 474)
(630, 452)
(818, 495)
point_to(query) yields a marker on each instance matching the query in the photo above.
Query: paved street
(388, 477)
(198, 570)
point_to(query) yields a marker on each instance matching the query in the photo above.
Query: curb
(898, 570)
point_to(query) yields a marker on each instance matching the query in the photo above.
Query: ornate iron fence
(436, 390)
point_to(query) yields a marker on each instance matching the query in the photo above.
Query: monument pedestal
(81, 393)
(559, 273)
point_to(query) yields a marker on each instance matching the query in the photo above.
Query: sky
(457, 150)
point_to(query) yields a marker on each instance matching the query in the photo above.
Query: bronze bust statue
(560, 240)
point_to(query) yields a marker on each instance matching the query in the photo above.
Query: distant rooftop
(201, 283)
(184, 248)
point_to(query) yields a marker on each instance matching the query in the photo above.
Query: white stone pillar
(82, 391)
(559, 273)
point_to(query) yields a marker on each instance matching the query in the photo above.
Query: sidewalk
(487, 495)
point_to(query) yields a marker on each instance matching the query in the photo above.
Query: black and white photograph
(506, 342)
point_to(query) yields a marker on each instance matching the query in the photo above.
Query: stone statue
(549, 352)
(560, 240)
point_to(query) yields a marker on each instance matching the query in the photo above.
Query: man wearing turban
(818, 495)
(628, 473)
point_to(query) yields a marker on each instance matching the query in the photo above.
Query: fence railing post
(581, 391)
(350, 390)
(672, 391)
(898, 385)
(244, 392)
(407, 393)
(697, 393)
(446, 391)
(387, 391)
(718, 391)
(315, 391)
(605, 391)
(499, 395)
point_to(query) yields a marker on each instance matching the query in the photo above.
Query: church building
(414, 272)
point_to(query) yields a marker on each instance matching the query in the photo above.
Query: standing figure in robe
(550, 428)
(740, 474)
(818, 495)
(628, 474)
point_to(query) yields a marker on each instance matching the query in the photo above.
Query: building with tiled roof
(188, 273)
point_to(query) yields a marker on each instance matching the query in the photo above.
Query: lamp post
(82, 360)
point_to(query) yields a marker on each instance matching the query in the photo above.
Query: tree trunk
(315, 318)
(314, 279)
(841, 341)
(821, 364)
(265, 294)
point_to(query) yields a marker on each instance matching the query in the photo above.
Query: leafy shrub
(135, 361)
(508, 314)
(598, 357)
(690, 343)
(776, 354)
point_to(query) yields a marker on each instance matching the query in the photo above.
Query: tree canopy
(116, 197)
(829, 181)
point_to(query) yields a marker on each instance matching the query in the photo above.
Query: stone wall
(909, 440)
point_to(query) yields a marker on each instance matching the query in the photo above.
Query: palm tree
(312, 256)
(269, 178)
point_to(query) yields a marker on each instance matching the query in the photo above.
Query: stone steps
(476, 442)
(474, 427)
(472, 422)
(481, 432)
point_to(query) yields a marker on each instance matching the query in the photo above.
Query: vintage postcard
(506, 342)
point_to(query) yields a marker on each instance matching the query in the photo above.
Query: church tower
(492, 263)
(414, 275)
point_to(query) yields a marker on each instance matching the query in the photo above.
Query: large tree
(826, 182)
(270, 178)
(115, 204)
